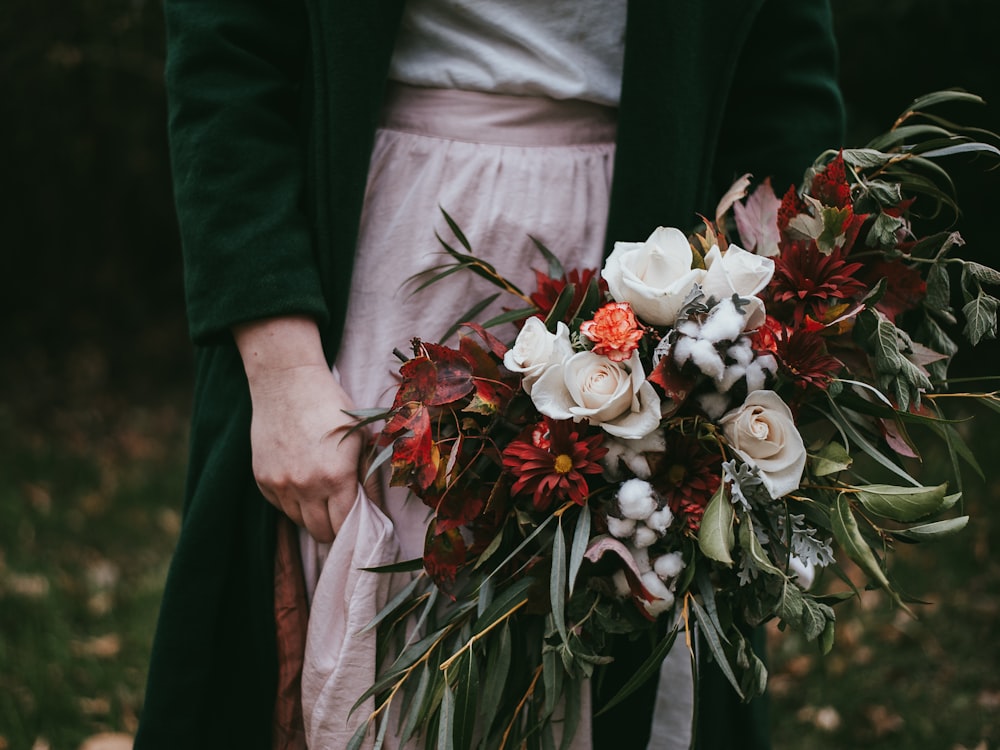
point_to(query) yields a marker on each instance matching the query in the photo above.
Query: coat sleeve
(784, 106)
(234, 78)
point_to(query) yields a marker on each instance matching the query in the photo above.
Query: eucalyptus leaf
(645, 670)
(709, 630)
(415, 714)
(751, 546)
(932, 531)
(466, 694)
(557, 582)
(503, 602)
(581, 538)
(848, 535)
(497, 667)
(832, 458)
(555, 265)
(446, 725)
(902, 504)
(471, 314)
(715, 537)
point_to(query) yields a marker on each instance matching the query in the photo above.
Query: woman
(273, 110)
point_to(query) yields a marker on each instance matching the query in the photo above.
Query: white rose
(612, 395)
(653, 276)
(763, 434)
(535, 349)
(735, 272)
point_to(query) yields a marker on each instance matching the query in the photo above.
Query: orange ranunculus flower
(614, 330)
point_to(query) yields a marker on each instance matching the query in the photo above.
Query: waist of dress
(501, 119)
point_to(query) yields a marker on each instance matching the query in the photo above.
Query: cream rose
(763, 434)
(653, 276)
(735, 272)
(535, 349)
(612, 395)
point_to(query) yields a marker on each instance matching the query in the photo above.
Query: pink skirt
(506, 169)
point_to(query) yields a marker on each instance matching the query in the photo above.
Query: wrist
(275, 344)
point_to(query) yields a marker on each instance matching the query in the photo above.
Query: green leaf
(751, 546)
(645, 670)
(514, 594)
(985, 274)
(831, 459)
(446, 721)
(710, 630)
(839, 418)
(557, 582)
(581, 538)
(826, 641)
(415, 715)
(960, 148)
(942, 97)
(848, 535)
(466, 693)
(556, 270)
(471, 314)
(497, 666)
(932, 531)
(511, 316)
(552, 678)
(866, 158)
(358, 737)
(715, 537)
(394, 603)
(459, 235)
(904, 133)
(571, 712)
(560, 307)
(980, 318)
(902, 504)
(406, 566)
(938, 288)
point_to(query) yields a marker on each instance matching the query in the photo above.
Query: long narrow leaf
(556, 270)
(393, 603)
(581, 538)
(557, 582)
(466, 693)
(711, 633)
(644, 672)
(841, 420)
(471, 314)
(446, 719)
(456, 230)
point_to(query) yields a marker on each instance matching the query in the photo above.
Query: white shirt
(562, 49)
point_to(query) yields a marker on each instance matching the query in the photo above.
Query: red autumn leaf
(439, 376)
(444, 553)
(460, 506)
(413, 446)
(676, 386)
(904, 290)
(496, 346)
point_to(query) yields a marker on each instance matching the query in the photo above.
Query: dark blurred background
(96, 369)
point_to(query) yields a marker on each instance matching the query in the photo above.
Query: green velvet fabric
(273, 107)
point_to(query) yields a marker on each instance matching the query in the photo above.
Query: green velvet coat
(272, 111)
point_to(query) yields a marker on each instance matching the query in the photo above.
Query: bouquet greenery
(676, 444)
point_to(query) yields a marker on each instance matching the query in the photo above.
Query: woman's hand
(304, 460)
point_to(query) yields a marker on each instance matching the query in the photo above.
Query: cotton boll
(636, 499)
(757, 373)
(714, 404)
(633, 453)
(732, 375)
(621, 528)
(740, 352)
(682, 350)
(644, 536)
(706, 358)
(660, 520)
(724, 323)
(669, 566)
(690, 328)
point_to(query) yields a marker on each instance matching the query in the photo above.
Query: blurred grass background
(94, 393)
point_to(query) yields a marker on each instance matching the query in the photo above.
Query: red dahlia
(549, 462)
(807, 279)
(687, 478)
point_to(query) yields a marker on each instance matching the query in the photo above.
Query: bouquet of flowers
(677, 443)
